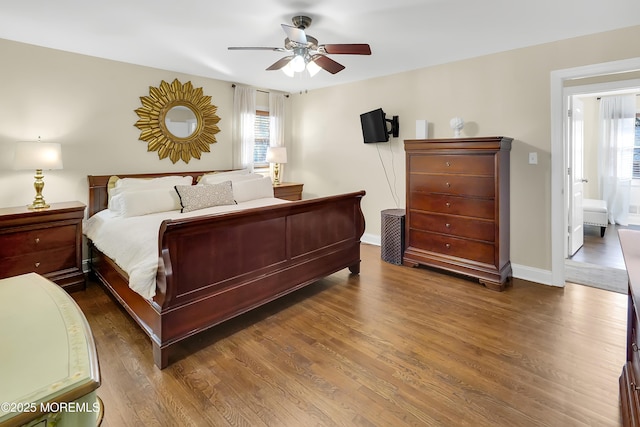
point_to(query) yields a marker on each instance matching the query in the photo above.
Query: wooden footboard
(217, 267)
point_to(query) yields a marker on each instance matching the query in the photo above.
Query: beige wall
(501, 94)
(87, 104)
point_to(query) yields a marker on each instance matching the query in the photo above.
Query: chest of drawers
(47, 242)
(458, 207)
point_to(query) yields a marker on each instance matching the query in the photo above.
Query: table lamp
(276, 155)
(39, 156)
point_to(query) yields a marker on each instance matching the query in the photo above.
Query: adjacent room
(610, 191)
(286, 213)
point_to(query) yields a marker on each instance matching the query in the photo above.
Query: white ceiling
(192, 36)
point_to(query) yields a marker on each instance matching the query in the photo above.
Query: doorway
(590, 258)
(559, 80)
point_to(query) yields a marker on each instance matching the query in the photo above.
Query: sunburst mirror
(177, 121)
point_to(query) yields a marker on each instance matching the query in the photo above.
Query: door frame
(559, 147)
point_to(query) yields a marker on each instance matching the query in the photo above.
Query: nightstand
(47, 242)
(288, 191)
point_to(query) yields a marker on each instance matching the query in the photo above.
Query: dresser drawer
(453, 205)
(452, 246)
(454, 164)
(474, 186)
(42, 262)
(42, 239)
(454, 225)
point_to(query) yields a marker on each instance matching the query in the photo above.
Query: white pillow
(233, 172)
(144, 202)
(162, 181)
(217, 178)
(244, 191)
(194, 197)
(225, 174)
(125, 185)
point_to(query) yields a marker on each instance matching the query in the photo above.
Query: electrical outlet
(533, 158)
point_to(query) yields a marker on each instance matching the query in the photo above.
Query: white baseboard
(532, 274)
(372, 239)
(634, 219)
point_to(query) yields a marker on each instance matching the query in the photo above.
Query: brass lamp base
(38, 202)
(38, 206)
(276, 174)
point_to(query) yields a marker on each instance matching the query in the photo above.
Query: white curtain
(243, 135)
(615, 154)
(276, 124)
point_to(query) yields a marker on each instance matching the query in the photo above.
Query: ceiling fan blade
(275, 49)
(347, 49)
(295, 34)
(280, 63)
(327, 63)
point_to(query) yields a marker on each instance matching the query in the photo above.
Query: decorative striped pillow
(194, 197)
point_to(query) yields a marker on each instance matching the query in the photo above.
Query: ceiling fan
(305, 51)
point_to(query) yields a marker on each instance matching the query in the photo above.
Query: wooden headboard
(98, 196)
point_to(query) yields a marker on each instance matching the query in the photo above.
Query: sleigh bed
(214, 267)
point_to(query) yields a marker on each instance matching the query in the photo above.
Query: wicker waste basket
(392, 235)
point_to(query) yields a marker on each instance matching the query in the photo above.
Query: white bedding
(132, 242)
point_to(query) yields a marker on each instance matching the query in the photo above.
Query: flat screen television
(374, 126)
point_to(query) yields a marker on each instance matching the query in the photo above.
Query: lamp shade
(38, 155)
(277, 155)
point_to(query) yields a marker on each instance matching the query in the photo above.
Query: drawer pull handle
(634, 347)
(448, 164)
(37, 240)
(448, 184)
(37, 264)
(448, 245)
(448, 204)
(448, 225)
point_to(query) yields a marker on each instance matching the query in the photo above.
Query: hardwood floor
(604, 251)
(393, 346)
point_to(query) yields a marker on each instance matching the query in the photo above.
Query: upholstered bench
(595, 213)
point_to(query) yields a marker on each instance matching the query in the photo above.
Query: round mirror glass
(181, 121)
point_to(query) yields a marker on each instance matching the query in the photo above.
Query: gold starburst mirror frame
(177, 121)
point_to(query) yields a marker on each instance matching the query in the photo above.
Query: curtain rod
(233, 85)
(636, 94)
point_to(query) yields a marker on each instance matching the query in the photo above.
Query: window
(261, 139)
(636, 150)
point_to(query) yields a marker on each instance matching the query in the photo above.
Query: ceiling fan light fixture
(288, 70)
(313, 68)
(306, 53)
(297, 64)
